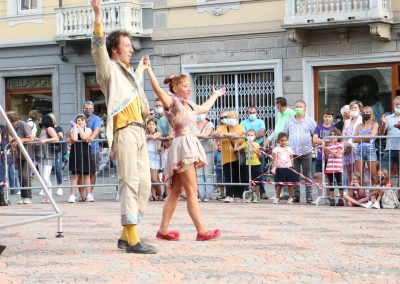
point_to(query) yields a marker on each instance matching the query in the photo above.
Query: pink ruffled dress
(186, 150)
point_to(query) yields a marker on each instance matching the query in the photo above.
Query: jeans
(24, 176)
(303, 163)
(12, 178)
(58, 167)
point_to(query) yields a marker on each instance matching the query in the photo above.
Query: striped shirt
(335, 165)
(300, 134)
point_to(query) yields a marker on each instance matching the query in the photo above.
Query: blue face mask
(252, 117)
(397, 110)
(159, 110)
(200, 117)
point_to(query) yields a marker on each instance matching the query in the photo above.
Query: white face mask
(159, 110)
(224, 121)
(250, 138)
(231, 121)
(354, 113)
(200, 117)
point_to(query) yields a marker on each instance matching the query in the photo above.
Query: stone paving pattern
(260, 243)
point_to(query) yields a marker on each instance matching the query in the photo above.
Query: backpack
(389, 200)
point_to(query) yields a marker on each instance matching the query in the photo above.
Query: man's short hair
(113, 40)
(301, 101)
(12, 116)
(328, 112)
(281, 100)
(88, 102)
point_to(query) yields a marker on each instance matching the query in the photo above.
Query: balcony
(306, 15)
(77, 22)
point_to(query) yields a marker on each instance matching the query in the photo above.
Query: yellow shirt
(131, 112)
(227, 153)
(254, 160)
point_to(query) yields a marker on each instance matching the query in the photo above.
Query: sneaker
(368, 204)
(41, 193)
(27, 201)
(205, 200)
(21, 201)
(296, 199)
(228, 199)
(340, 202)
(71, 199)
(89, 197)
(249, 198)
(376, 205)
(290, 200)
(256, 199)
(276, 201)
(60, 191)
(331, 202)
(18, 193)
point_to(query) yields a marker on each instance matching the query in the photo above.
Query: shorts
(256, 171)
(286, 175)
(218, 175)
(154, 161)
(365, 152)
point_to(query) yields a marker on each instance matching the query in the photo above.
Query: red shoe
(209, 235)
(170, 236)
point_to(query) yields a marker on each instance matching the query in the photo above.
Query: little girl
(334, 166)
(154, 158)
(283, 156)
(375, 195)
(356, 196)
(163, 148)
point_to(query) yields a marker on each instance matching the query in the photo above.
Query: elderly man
(300, 129)
(24, 132)
(127, 109)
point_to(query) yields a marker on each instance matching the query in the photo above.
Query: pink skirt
(184, 152)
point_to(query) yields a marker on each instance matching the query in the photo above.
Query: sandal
(153, 198)
(170, 236)
(209, 235)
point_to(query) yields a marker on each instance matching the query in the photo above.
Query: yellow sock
(133, 237)
(124, 234)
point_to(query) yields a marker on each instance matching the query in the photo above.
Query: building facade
(326, 52)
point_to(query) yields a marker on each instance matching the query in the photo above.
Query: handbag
(389, 200)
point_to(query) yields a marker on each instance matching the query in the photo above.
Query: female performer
(186, 153)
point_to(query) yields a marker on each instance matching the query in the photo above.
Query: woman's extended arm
(211, 100)
(164, 97)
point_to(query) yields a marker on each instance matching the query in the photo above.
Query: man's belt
(139, 124)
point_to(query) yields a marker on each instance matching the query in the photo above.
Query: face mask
(365, 116)
(224, 121)
(354, 113)
(231, 121)
(298, 111)
(87, 112)
(250, 138)
(397, 110)
(159, 110)
(200, 117)
(276, 109)
(252, 116)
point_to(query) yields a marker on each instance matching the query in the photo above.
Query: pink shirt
(283, 156)
(335, 165)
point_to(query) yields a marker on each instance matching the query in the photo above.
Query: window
(27, 5)
(243, 89)
(373, 85)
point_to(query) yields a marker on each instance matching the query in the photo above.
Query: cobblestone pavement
(260, 243)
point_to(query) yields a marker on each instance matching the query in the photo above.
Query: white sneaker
(41, 193)
(60, 191)
(368, 204)
(21, 201)
(290, 200)
(71, 199)
(276, 201)
(18, 193)
(89, 197)
(205, 200)
(376, 205)
(27, 200)
(228, 199)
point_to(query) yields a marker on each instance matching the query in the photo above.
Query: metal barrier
(366, 157)
(44, 215)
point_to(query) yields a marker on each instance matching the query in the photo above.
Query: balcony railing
(77, 22)
(308, 12)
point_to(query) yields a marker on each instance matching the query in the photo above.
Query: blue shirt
(93, 123)
(162, 124)
(392, 143)
(256, 125)
(300, 134)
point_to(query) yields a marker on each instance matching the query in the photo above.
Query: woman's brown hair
(174, 81)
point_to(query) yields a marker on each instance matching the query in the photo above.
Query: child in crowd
(154, 158)
(253, 155)
(322, 130)
(334, 167)
(218, 169)
(282, 159)
(375, 195)
(163, 148)
(356, 196)
(104, 159)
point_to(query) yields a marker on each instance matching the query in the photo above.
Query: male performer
(127, 109)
